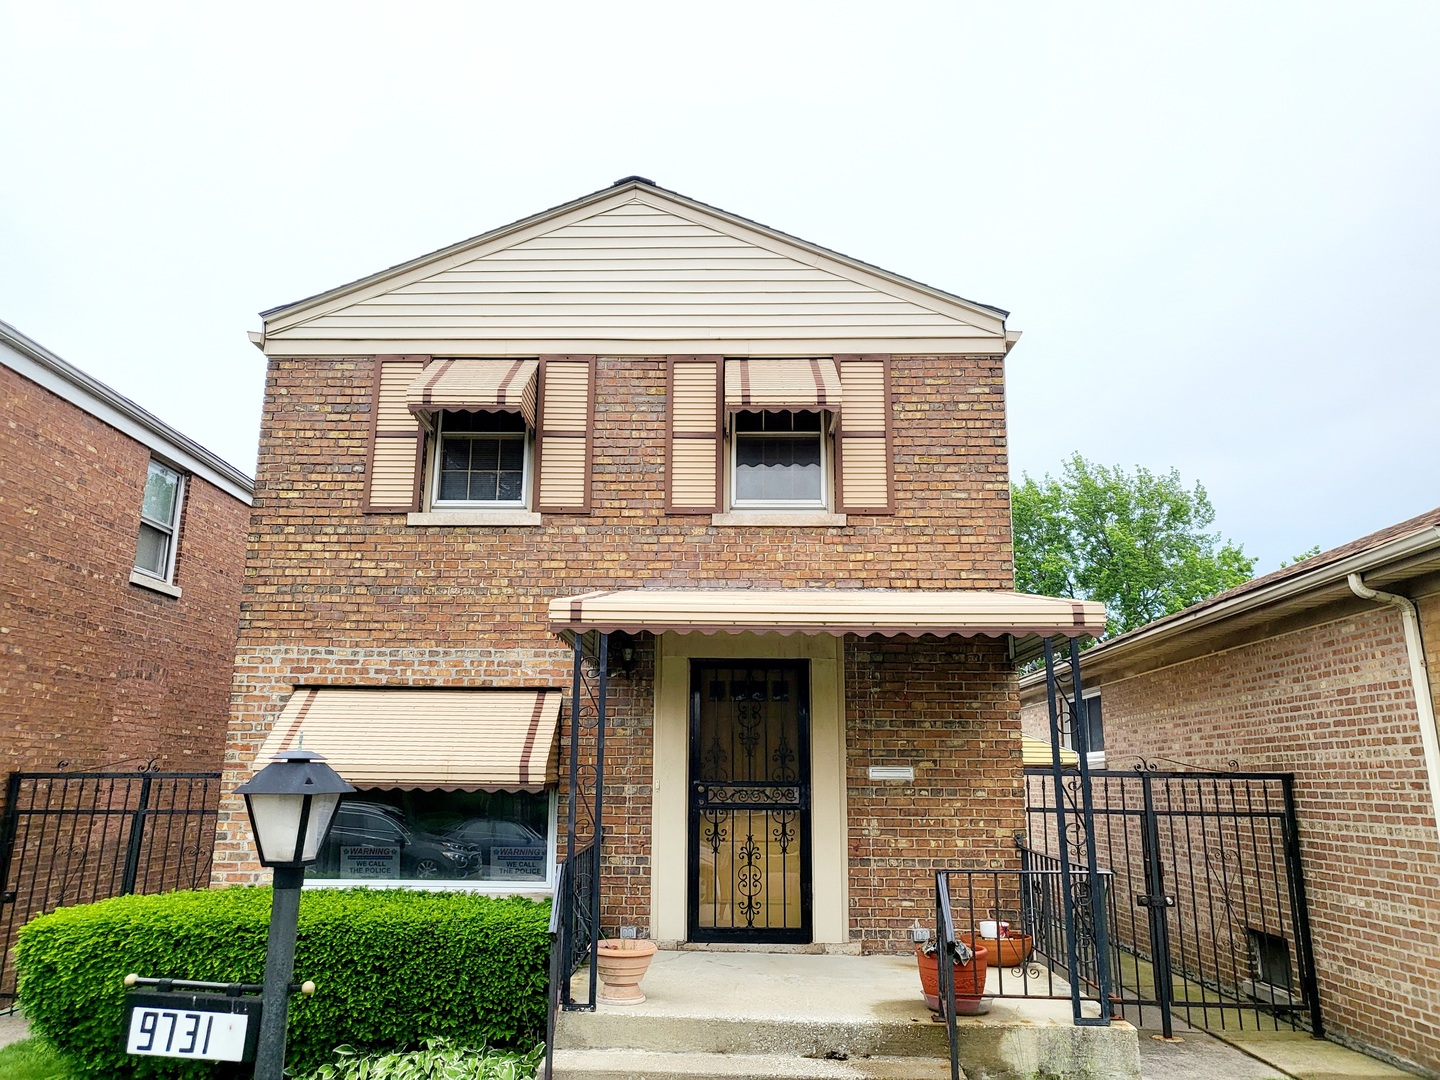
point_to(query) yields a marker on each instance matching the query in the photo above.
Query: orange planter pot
(1011, 951)
(623, 963)
(969, 981)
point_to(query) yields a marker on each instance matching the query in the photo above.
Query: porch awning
(476, 385)
(888, 612)
(458, 740)
(781, 384)
(1037, 752)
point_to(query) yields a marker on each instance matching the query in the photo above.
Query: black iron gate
(1206, 897)
(70, 838)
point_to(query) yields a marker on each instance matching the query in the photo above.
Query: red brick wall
(1334, 705)
(95, 671)
(337, 597)
(949, 709)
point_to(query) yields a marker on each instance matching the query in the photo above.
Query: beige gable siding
(638, 273)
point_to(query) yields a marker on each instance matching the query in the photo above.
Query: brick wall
(949, 709)
(95, 671)
(335, 597)
(1334, 705)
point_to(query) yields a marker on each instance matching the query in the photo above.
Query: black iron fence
(1206, 915)
(71, 838)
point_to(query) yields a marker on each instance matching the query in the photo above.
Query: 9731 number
(183, 1033)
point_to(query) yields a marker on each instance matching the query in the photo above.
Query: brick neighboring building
(767, 471)
(116, 633)
(1295, 673)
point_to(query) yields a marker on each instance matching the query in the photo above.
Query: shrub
(437, 1059)
(391, 967)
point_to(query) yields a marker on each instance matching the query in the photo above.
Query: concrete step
(845, 1037)
(689, 1065)
(762, 1014)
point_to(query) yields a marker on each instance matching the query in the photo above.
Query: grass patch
(34, 1059)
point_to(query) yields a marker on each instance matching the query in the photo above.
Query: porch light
(291, 803)
(622, 654)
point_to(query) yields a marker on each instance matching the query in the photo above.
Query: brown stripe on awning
(476, 385)
(530, 734)
(1078, 610)
(440, 367)
(308, 697)
(781, 384)
(403, 737)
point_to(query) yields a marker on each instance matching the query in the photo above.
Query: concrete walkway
(13, 1028)
(1254, 1055)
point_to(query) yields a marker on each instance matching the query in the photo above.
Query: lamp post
(291, 803)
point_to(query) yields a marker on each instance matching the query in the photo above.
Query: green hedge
(390, 967)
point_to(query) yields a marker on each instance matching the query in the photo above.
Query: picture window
(440, 838)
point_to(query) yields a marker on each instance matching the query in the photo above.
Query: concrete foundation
(796, 1015)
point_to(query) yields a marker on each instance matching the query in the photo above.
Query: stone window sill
(474, 517)
(154, 584)
(787, 518)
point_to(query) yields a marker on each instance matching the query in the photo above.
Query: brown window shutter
(694, 460)
(397, 443)
(864, 464)
(562, 439)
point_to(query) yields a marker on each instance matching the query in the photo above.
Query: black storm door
(749, 827)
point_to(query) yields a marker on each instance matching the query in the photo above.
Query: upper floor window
(481, 459)
(779, 459)
(160, 522)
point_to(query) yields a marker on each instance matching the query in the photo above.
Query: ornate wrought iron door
(749, 857)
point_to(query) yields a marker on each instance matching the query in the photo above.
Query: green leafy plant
(437, 1059)
(34, 1059)
(391, 967)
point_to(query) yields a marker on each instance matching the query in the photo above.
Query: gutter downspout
(1419, 679)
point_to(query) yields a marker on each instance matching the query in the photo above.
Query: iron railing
(1209, 918)
(72, 838)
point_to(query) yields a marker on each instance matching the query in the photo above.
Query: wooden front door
(749, 815)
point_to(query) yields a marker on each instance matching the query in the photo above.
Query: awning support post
(580, 920)
(1052, 694)
(1100, 919)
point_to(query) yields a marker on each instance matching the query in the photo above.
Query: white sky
(1218, 225)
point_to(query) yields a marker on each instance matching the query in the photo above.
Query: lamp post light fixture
(291, 803)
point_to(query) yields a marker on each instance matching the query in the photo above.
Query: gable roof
(42, 367)
(634, 269)
(1399, 552)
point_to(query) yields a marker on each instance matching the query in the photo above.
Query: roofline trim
(69, 382)
(289, 311)
(1422, 540)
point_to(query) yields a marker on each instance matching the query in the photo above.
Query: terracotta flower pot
(623, 963)
(1009, 951)
(969, 981)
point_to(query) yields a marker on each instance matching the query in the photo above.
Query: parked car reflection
(504, 850)
(371, 840)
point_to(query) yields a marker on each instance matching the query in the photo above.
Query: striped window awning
(781, 384)
(1037, 753)
(476, 386)
(452, 740)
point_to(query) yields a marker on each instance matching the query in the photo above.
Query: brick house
(1326, 669)
(768, 479)
(122, 547)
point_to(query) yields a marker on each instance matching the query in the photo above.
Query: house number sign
(202, 1027)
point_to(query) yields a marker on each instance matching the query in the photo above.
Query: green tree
(1135, 541)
